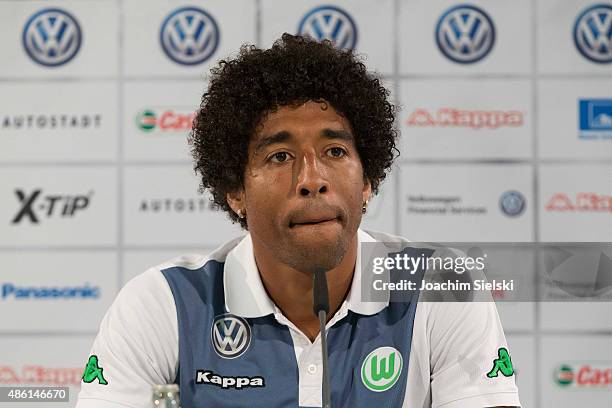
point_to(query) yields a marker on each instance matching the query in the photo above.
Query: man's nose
(311, 177)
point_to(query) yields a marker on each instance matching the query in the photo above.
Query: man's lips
(315, 220)
(308, 224)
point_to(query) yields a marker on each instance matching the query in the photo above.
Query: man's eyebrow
(338, 134)
(265, 141)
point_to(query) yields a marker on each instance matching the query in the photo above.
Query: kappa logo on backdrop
(593, 33)
(512, 203)
(381, 369)
(231, 335)
(189, 36)
(330, 23)
(52, 37)
(35, 205)
(38, 374)
(463, 118)
(165, 120)
(465, 34)
(580, 202)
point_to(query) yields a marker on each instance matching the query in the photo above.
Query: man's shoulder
(381, 236)
(398, 241)
(152, 278)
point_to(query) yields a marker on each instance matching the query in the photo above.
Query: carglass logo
(165, 120)
(593, 375)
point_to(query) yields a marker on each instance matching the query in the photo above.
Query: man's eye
(279, 157)
(337, 152)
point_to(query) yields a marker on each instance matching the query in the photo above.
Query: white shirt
(454, 345)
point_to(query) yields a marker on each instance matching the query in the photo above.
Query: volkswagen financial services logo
(512, 203)
(189, 36)
(465, 34)
(593, 33)
(330, 23)
(231, 335)
(52, 37)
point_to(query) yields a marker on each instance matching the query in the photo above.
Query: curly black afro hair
(294, 70)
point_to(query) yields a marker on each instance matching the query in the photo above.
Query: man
(292, 142)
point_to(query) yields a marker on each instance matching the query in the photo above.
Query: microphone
(321, 308)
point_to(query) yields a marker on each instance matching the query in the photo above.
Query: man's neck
(291, 290)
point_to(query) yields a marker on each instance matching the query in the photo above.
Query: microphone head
(319, 291)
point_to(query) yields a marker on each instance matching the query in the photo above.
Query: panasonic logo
(86, 291)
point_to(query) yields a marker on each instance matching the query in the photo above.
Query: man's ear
(367, 190)
(236, 201)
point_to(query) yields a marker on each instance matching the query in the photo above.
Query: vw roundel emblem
(52, 37)
(231, 335)
(330, 23)
(189, 36)
(465, 34)
(512, 203)
(593, 33)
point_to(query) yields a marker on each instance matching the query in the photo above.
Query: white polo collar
(246, 296)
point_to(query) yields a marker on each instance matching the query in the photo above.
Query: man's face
(304, 186)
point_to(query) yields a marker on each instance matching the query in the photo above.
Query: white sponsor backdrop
(158, 116)
(471, 122)
(461, 202)
(587, 370)
(511, 53)
(30, 277)
(96, 182)
(44, 360)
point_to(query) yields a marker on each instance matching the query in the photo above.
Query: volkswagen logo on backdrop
(593, 33)
(465, 34)
(52, 37)
(330, 23)
(231, 335)
(189, 36)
